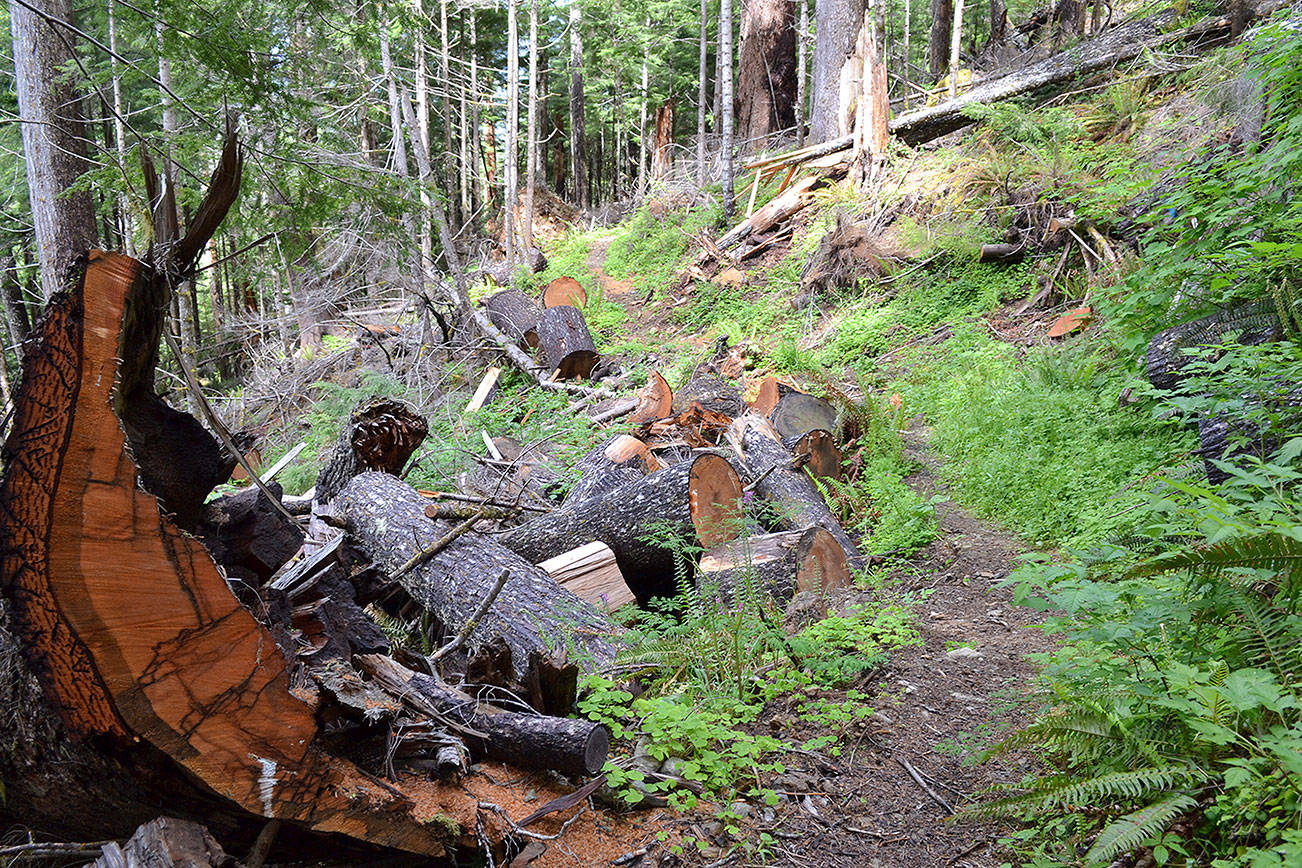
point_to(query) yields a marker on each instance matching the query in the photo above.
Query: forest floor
(938, 705)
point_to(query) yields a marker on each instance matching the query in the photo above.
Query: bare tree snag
(662, 157)
(797, 498)
(694, 504)
(591, 572)
(779, 564)
(532, 613)
(620, 460)
(381, 434)
(655, 401)
(125, 620)
(766, 71)
(516, 315)
(564, 290)
(565, 344)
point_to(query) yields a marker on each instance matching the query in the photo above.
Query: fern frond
(1063, 790)
(1270, 638)
(1267, 551)
(1128, 832)
(1079, 732)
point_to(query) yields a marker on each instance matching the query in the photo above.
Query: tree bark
(620, 460)
(955, 44)
(564, 344)
(695, 503)
(726, 97)
(643, 146)
(700, 95)
(802, 37)
(662, 160)
(515, 314)
(780, 564)
(510, 159)
(531, 134)
(837, 24)
(381, 435)
(53, 135)
(578, 111)
(387, 518)
(942, 23)
(767, 71)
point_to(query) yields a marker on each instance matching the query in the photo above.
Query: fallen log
(562, 291)
(566, 745)
(381, 434)
(165, 842)
(779, 564)
(158, 683)
(564, 343)
(798, 500)
(515, 314)
(386, 518)
(771, 390)
(692, 505)
(1255, 322)
(620, 460)
(591, 572)
(780, 208)
(248, 537)
(1002, 252)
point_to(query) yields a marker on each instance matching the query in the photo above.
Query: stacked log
(620, 460)
(564, 343)
(647, 523)
(779, 565)
(516, 315)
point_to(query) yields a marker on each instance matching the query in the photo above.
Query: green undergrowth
(649, 250)
(707, 666)
(1039, 442)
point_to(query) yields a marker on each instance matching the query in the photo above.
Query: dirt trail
(937, 706)
(612, 288)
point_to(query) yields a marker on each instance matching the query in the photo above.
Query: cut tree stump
(386, 518)
(620, 460)
(798, 501)
(564, 291)
(125, 620)
(564, 343)
(693, 504)
(1255, 322)
(779, 564)
(381, 434)
(515, 314)
(591, 572)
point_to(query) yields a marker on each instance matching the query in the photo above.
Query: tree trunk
(700, 96)
(836, 23)
(647, 523)
(942, 23)
(662, 160)
(120, 130)
(726, 98)
(53, 135)
(802, 37)
(387, 518)
(11, 294)
(510, 159)
(516, 315)
(531, 134)
(767, 70)
(955, 44)
(643, 147)
(477, 160)
(381, 434)
(578, 111)
(449, 161)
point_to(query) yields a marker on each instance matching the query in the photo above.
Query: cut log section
(695, 504)
(822, 457)
(620, 460)
(569, 746)
(1255, 323)
(515, 314)
(796, 414)
(381, 434)
(564, 291)
(591, 572)
(386, 518)
(565, 344)
(125, 619)
(165, 842)
(771, 390)
(780, 564)
(711, 392)
(1002, 252)
(655, 401)
(798, 500)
